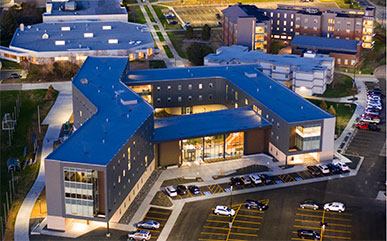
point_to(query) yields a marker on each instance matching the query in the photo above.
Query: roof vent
(250, 75)
(99, 91)
(45, 36)
(37, 29)
(127, 115)
(65, 28)
(103, 141)
(84, 81)
(270, 86)
(106, 27)
(128, 102)
(112, 86)
(110, 67)
(107, 120)
(113, 41)
(60, 42)
(257, 89)
(96, 67)
(88, 35)
(302, 107)
(29, 26)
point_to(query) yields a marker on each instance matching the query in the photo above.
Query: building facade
(286, 21)
(306, 75)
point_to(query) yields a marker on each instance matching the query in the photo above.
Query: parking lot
(160, 215)
(198, 16)
(245, 224)
(338, 225)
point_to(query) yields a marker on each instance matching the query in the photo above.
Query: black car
(252, 204)
(265, 178)
(314, 170)
(194, 190)
(15, 76)
(309, 234)
(373, 128)
(309, 204)
(173, 23)
(181, 189)
(333, 168)
(217, 16)
(236, 181)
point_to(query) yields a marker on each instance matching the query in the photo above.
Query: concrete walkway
(59, 113)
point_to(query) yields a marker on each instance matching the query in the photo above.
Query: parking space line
(157, 231)
(189, 193)
(338, 224)
(213, 233)
(249, 216)
(215, 215)
(162, 219)
(216, 221)
(316, 216)
(308, 221)
(338, 237)
(236, 239)
(179, 196)
(154, 237)
(253, 211)
(203, 239)
(245, 228)
(222, 228)
(158, 212)
(326, 230)
(240, 221)
(232, 221)
(245, 234)
(320, 211)
(322, 230)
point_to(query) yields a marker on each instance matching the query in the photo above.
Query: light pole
(230, 223)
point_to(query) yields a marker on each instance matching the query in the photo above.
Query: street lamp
(230, 223)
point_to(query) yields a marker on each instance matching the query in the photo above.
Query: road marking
(232, 221)
(216, 221)
(338, 224)
(326, 230)
(158, 212)
(320, 211)
(154, 237)
(213, 233)
(162, 219)
(216, 227)
(220, 188)
(240, 221)
(253, 211)
(189, 193)
(322, 229)
(245, 228)
(316, 216)
(221, 216)
(245, 234)
(308, 221)
(203, 239)
(150, 230)
(249, 216)
(297, 238)
(179, 196)
(338, 237)
(237, 239)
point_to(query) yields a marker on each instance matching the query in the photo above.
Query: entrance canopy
(207, 124)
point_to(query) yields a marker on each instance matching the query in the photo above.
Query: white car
(323, 168)
(223, 210)
(334, 206)
(370, 120)
(255, 179)
(171, 191)
(342, 165)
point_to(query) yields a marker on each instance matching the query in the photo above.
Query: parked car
(334, 168)
(315, 171)
(309, 234)
(246, 180)
(323, 168)
(374, 106)
(309, 204)
(371, 111)
(252, 204)
(370, 120)
(15, 76)
(171, 191)
(236, 181)
(139, 235)
(194, 189)
(255, 179)
(223, 210)
(170, 16)
(342, 165)
(370, 116)
(362, 125)
(217, 16)
(181, 189)
(151, 224)
(173, 23)
(373, 128)
(265, 178)
(334, 206)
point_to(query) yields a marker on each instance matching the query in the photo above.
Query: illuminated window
(80, 113)
(236, 95)
(346, 61)
(169, 87)
(200, 86)
(61, 58)
(285, 15)
(146, 161)
(179, 87)
(119, 179)
(190, 86)
(338, 61)
(285, 22)
(179, 99)
(123, 173)
(246, 101)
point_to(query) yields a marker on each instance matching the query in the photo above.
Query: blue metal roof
(129, 36)
(285, 103)
(117, 118)
(203, 124)
(325, 43)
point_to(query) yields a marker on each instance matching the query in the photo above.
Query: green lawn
(152, 19)
(343, 114)
(129, 2)
(168, 51)
(156, 27)
(177, 41)
(135, 15)
(10, 65)
(340, 87)
(161, 37)
(157, 64)
(158, 9)
(25, 127)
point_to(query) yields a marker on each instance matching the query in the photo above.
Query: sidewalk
(63, 105)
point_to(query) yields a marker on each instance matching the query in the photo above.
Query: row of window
(189, 98)
(338, 61)
(279, 15)
(180, 87)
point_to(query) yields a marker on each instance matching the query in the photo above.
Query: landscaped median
(168, 51)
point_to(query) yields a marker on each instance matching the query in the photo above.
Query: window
(315, 21)
(284, 29)
(353, 62)
(123, 173)
(80, 113)
(285, 22)
(200, 97)
(169, 87)
(315, 28)
(158, 100)
(348, 31)
(200, 86)
(278, 22)
(331, 28)
(189, 98)
(306, 20)
(305, 27)
(179, 87)
(271, 14)
(338, 61)
(246, 101)
(113, 41)
(291, 24)
(297, 26)
(60, 42)
(331, 21)
(346, 61)
(210, 96)
(158, 88)
(169, 99)
(146, 161)
(190, 86)
(119, 179)
(285, 15)
(278, 15)
(236, 95)
(292, 15)
(179, 99)
(210, 85)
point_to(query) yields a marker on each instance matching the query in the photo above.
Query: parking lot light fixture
(230, 223)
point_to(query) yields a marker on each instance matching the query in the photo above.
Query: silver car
(150, 224)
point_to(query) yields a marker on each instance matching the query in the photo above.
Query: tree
(8, 26)
(324, 105)
(189, 32)
(206, 32)
(197, 51)
(332, 110)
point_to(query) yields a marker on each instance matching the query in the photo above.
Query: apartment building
(287, 21)
(306, 75)
(97, 172)
(245, 25)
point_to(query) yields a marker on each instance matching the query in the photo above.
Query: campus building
(119, 139)
(286, 21)
(306, 75)
(74, 41)
(347, 53)
(84, 10)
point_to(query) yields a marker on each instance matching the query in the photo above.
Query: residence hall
(287, 21)
(120, 138)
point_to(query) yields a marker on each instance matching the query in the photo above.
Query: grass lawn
(340, 87)
(157, 64)
(177, 41)
(135, 15)
(168, 51)
(10, 65)
(152, 19)
(343, 114)
(161, 37)
(129, 2)
(161, 199)
(25, 127)
(159, 12)
(156, 27)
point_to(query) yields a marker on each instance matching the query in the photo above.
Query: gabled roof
(325, 43)
(120, 112)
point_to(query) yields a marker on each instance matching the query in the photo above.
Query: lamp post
(230, 223)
